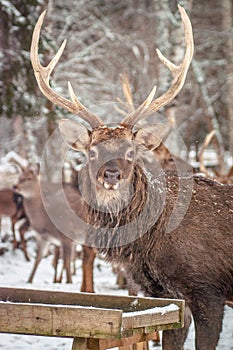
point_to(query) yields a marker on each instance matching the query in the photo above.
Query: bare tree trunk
(31, 142)
(163, 25)
(18, 132)
(227, 24)
(4, 30)
(210, 115)
(52, 150)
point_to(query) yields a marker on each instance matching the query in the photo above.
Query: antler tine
(179, 74)
(42, 75)
(128, 103)
(127, 92)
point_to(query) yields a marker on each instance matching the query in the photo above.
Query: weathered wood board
(59, 320)
(83, 315)
(124, 303)
(155, 316)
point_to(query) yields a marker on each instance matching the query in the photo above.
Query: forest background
(106, 38)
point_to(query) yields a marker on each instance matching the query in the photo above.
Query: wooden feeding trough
(94, 321)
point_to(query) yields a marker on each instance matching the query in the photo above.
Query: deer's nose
(112, 176)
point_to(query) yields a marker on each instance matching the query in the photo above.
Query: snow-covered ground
(14, 271)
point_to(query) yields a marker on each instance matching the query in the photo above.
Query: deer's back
(7, 205)
(199, 251)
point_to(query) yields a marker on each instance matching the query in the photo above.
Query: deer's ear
(75, 134)
(151, 136)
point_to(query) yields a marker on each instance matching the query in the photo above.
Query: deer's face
(112, 154)
(28, 184)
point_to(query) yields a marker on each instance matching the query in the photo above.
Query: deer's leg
(22, 229)
(174, 339)
(73, 260)
(208, 314)
(67, 252)
(42, 249)
(13, 222)
(55, 264)
(60, 278)
(89, 254)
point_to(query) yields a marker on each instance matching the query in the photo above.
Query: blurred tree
(227, 26)
(109, 37)
(210, 74)
(105, 39)
(17, 84)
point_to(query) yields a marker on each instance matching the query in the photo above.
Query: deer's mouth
(109, 186)
(106, 185)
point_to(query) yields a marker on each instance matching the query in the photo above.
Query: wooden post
(79, 344)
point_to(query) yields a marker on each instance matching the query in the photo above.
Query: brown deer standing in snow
(47, 233)
(28, 186)
(130, 201)
(11, 205)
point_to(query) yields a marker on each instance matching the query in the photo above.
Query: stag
(129, 201)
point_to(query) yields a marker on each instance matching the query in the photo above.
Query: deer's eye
(130, 155)
(92, 154)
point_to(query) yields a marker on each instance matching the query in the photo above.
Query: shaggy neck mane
(111, 230)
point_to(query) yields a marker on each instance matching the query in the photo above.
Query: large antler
(42, 75)
(179, 73)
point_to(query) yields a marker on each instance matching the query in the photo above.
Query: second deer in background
(47, 233)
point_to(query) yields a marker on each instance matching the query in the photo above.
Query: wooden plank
(79, 344)
(94, 344)
(126, 342)
(128, 347)
(152, 317)
(125, 303)
(62, 321)
(141, 346)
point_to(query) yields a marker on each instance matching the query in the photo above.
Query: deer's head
(28, 183)
(112, 152)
